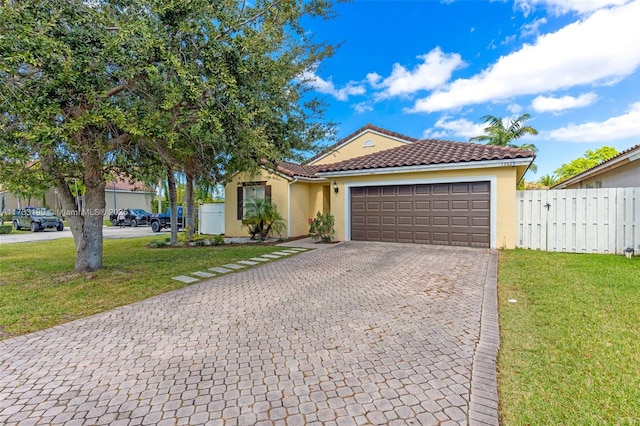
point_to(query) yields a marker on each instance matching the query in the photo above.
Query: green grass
(570, 351)
(39, 290)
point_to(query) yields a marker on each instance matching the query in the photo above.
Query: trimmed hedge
(5, 229)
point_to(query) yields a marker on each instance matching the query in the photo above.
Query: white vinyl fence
(602, 220)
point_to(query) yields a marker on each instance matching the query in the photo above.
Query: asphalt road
(52, 234)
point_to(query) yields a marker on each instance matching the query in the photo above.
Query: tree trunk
(86, 223)
(189, 217)
(173, 202)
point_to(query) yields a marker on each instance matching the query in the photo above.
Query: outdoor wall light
(335, 186)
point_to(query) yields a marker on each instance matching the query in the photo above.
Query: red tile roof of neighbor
(428, 152)
(128, 185)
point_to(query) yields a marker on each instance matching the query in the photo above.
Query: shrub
(5, 229)
(218, 240)
(322, 227)
(261, 217)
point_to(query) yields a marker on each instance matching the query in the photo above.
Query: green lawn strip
(570, 350)
(39, 290)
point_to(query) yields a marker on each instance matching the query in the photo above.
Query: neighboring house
(621, 171)
(384, 186)
(119, 194)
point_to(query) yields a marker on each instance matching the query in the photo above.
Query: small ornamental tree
(322, 227)
(262, 218)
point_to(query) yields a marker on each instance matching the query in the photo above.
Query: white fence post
(603, 220)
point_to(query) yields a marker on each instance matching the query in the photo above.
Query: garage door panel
(460, 188)
(480, 187)
(440, 205)
(358, 220)
(389, 220)
(373, 206)
(440, 189)
(460, 205)
(460, 221)
(422, 205)
(405, 190)
(389, 236)
(447, 213)
(423, 220)
(389, 206)
(388, 191)
(372, 220)
(480, 222)
(480, 205)
(405, 220)
(440, 221)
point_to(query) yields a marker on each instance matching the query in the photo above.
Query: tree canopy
(590, 159)
(499, 134)
(136, 87)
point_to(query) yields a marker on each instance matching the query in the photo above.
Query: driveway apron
(357, 333)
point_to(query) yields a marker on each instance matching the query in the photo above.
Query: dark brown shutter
(240, 201)
(267, 191)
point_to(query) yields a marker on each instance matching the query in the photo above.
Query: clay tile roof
(128, 185)
(356, 133)
(292, 169)
(428, 152)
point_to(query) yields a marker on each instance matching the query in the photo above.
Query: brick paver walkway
(359, 333)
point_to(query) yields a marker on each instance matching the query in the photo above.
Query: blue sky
(431, 69)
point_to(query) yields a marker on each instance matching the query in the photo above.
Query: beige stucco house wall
(366, 143)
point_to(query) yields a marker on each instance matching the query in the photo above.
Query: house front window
(251, 191)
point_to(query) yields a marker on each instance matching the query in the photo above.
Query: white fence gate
(602, 220)
(211, 217)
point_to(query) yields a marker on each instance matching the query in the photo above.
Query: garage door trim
(491, 179)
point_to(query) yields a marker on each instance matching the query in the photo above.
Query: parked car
(163, 220)
(133, 217)
(36, 218)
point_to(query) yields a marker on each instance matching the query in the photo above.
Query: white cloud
(533, 28)
(327, 87)
(546, 104)
(514, 108)
(603, 48)
(362, 107)
(461, 128)
(561, 7)
(434, 71)
(615, 128)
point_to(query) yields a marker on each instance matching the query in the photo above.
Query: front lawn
(570, 351)
(38, 289)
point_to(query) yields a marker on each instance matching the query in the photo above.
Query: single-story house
(621, 171)
(119, 194)
(384, 186)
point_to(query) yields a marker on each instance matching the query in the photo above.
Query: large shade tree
(92, 87)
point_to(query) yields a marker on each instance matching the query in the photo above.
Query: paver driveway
(358, 333)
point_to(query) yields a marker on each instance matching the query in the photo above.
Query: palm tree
(498, 135)
(548, 180)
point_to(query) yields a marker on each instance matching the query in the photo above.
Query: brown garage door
(454, 214)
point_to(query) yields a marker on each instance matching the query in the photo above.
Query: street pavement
(51, 234)
(353, 334)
